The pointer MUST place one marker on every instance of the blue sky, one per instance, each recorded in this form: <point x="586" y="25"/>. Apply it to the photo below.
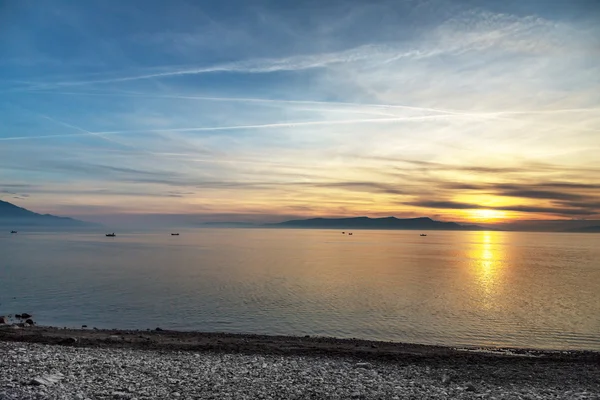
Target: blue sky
<point x="264" y="110"/>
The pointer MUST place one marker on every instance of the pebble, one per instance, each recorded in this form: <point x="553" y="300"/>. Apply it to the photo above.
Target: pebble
<point x="47" y="379"/>
<point x="121" y="373"/>
<point x="446" y="379"/>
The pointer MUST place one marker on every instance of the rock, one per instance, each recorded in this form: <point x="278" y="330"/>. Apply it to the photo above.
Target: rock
<point x="158" y="329"/>
<point x="25" y="315"/>
<point x="469" y="387"/>
<point x="84" y="326"/>
<point x="446" y="379"/>
<point x="364" y="365"/>
<point x="47" y="379"/>
<point x="122" y="395"/>
<point x="3" y="320"/>
<point x="69" y="340"/>
<point x="18" y="316"/>
<point x="29" y="321"/>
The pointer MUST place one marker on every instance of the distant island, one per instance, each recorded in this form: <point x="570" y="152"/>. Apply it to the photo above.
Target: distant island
<point x="15" y="217"/>
<point x="586" y="229"/>
<point x="422" y="223"/>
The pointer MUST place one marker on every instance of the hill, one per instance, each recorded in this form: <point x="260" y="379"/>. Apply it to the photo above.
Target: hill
<point x="586" y="229"/>
<point x="422" y="223"/>
<point x="17" y="217"/>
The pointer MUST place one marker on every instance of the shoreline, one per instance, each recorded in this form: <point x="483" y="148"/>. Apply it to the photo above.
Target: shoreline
<point x="126" y="364"/>
<point x="172" y="340"/>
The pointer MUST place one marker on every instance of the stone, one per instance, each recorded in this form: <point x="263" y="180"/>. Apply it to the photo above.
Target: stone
<point x="26" y="315"/>
<point x="3" y="320"/>
<point x="469" y="387"/>
<point x="47" y="379"/>
<point x="122" y="395"/>
<point x="158" y="329"/>
<point x="69" y="340"/>
<point x="446" y="379"/>
<point x="29" y="321"/>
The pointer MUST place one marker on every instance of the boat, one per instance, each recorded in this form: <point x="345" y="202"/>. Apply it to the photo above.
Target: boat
<point x="174" y="234"/>
<point x="422" y="234"/>
<point x="13" y="231"/>
<point x="111" y="234"/>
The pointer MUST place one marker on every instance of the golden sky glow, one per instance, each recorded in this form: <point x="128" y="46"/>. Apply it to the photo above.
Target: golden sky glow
<point x="470" y="114"/>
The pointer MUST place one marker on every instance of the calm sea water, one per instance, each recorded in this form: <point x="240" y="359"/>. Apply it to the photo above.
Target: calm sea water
<point x="453" y="288"/>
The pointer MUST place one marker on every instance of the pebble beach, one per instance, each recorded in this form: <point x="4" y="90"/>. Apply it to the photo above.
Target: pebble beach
<point x="51" y="363"/>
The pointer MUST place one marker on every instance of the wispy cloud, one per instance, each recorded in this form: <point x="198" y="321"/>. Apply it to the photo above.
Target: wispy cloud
<point x="443" y="109"/>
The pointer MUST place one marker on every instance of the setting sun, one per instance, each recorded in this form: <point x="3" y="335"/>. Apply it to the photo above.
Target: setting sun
<point x="487" y="215"/>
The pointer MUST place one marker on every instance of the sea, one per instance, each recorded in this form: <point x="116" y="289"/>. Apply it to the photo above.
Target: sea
<point x="454" y="288"/>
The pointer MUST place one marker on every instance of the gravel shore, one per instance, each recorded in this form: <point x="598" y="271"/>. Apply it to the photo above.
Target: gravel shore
<point x="111" y="369"/>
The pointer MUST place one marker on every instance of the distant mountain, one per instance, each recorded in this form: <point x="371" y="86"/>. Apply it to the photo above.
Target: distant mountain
<point x="572" y="225"/>
<point x="423" y="223"/>
<point x="16" y="217"/>
<point x="224" y="224"/>
<point x="587" y="229"/>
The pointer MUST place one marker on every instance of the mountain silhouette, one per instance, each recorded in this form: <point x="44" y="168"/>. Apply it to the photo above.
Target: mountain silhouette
<point x="586" y="229"/>
<point x="16" y="217"/>
<point x="422" y="223"/>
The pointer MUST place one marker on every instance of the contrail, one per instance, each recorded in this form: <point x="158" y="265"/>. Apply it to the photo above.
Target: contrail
<point x="226" y="128"/>
<point x="326" y="103"/>
<point x="271" y="101"/>
<point x="256" y="66"/>
<point x="85" y="132"/>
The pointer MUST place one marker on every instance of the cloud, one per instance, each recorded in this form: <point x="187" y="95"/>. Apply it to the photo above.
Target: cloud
<point x="523" y="209"/>
<point x="368" y="187"/>
<point x="258" y="66"/>
<point x="442" y="104"/>
<point x="283" y="125"/>
<point x="540" y="194"/>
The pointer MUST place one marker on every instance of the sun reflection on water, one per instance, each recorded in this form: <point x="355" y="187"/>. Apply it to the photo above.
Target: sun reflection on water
<point x="487" y="263"/>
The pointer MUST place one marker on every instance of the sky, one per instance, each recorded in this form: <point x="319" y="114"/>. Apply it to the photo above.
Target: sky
<point x="479" y="111"/>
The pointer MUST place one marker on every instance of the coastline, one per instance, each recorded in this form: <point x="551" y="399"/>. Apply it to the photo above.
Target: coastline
<point x="172" y="340"/>
<point x="358" y="366"/>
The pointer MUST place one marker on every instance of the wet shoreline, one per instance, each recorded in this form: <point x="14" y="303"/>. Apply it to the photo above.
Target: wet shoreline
<point x="160" y="339"/>
<point x="406" y="369"/>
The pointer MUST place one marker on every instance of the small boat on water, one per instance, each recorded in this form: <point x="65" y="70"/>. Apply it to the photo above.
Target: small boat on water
<point x="111" y="234"/>
<point x="13" y="231"/>
<point x="174" y="234"/>
<point x="422" y="234"/>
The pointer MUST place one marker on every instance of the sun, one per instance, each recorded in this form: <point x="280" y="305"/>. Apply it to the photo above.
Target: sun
<point x="487" y="215"/>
